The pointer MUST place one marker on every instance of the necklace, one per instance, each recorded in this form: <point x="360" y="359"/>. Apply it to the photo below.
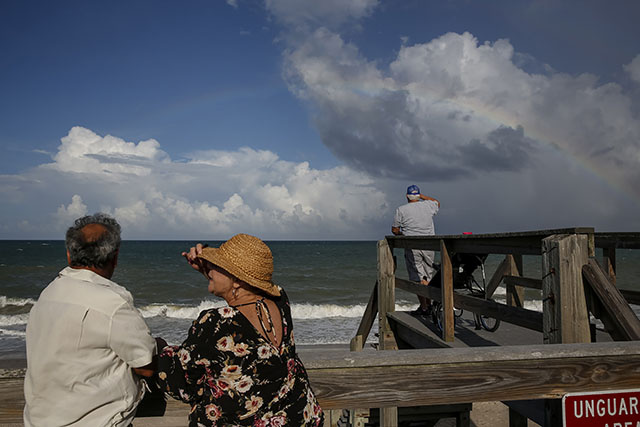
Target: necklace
<point x="261" y="307"/>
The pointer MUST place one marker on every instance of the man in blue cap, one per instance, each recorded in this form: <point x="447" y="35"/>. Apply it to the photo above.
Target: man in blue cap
<point x="416" y="219"/>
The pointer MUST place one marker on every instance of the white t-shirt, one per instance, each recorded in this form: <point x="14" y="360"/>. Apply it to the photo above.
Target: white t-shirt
<point x="83" y="337"/>
<point x="416" y="219"/>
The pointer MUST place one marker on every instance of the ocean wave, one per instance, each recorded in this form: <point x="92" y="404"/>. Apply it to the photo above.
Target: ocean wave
<point x="321" y="311"/>
<point x="15" y="319"/>
<point x="298" y="311"/>
<point x="178" y="311"/>
<point x="12" y="333"/>
<point x="5" y="301"/>
<point x="15" y="311"/>
<point x="15" y="307"/>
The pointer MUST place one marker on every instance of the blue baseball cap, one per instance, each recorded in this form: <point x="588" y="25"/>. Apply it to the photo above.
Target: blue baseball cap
<point x="413" y="189"/>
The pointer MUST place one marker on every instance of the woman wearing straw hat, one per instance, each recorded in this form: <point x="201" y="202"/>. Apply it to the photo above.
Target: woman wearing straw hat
<point x="238" y="365"/>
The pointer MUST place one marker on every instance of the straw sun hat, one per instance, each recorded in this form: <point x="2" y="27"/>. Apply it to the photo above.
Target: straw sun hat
<point x="247" y="258"/>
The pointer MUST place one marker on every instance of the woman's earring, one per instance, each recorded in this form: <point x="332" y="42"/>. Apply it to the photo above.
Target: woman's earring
<point x="233" y="292"/>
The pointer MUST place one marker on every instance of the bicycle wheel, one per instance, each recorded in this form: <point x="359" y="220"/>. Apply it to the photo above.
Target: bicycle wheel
<point x="437" y="315"/>
<point x="489" y="323"/>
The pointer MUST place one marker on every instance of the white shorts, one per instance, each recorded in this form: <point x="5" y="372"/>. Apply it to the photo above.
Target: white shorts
<point x="419" y="264"/>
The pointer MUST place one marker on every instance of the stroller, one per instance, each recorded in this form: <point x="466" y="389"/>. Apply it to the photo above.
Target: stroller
<point x="463" y="266"/>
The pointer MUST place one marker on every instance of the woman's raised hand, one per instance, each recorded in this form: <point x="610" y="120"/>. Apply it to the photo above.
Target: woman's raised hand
<point x="192" y="257"/>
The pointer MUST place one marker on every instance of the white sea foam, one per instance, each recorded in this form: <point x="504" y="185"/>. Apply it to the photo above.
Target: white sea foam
<point x="535" y="305"/>
<point x="14" y="319"/>
<point x="12" y="333"/>
<point x="5" y="301"/>
<point x="298" y="311"/>
<point x="178" y="311"/>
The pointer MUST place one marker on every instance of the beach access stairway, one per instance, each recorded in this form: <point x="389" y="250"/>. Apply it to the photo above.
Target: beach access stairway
<point x="574" y="289"/>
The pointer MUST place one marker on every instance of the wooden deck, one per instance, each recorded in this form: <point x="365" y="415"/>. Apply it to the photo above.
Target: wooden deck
<point x="420" y="332"/>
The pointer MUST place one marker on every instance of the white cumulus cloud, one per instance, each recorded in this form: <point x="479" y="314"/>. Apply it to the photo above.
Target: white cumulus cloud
<point x="82" y="150"/>
<point x="214" y="193"/>
<point x="75" y="209"/>
<point x="455" y="107"/>
<point x="633" y="68"/>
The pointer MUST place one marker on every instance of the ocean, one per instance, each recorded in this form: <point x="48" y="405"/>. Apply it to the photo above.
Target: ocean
<point x="328" y="283"/>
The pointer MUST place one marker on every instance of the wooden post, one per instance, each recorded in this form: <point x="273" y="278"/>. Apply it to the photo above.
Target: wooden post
<point x="358" y="342"/>
<point x="386" y="296"/>
<point x="446" y="275"/>
<point x="386" y="304"/>
<point x="565" y="315"/>
<point x="515" y="294"/>
<point x="389" y="417"/>
<point x="504" y="269"/>
<point x="609" y="262"/>
<point x="613" y="309"/>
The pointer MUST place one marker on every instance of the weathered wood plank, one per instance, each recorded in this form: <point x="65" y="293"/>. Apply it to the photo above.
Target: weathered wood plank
<point x="515" y="294"/>
<point x="415" y="333"/>
<point x="386" y="304"/>
<point x="609" y="262"/>
<point x="526" y="318"/>
<point x="431" y="292"/>
<point x="565" y="315"/>
<point x="620" y="320"/>
<point x="473" y="375"/>
<point x="381" y="378"/>
<point x="525" y="282"/>
<point x="623" y="240"/>
<point x="519" y="316"/>
<point x="366" y="323"/>
<point x="503" y="269"/>
<point x="389" y="416"/>
<point x="386" y="295"/>
<point x="11" y="399"/>
<point x="524" y="243"/>
<point x="446" y="288"/>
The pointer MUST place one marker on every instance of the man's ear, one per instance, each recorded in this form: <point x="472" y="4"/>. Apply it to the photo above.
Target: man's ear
<point x="115" y="259"/>
<point x="68" y="258"/>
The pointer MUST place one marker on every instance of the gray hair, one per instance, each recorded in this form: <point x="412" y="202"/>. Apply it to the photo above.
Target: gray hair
<point x="413" y="196"/>
<point x="98" y="252"/>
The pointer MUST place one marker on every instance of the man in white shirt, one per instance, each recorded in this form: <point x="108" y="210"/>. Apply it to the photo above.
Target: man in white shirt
<point x="416" y="219"/>
<point x="87" y="344"/>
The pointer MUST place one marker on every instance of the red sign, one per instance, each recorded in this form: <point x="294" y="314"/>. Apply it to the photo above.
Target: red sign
<point x="616" y="408"/>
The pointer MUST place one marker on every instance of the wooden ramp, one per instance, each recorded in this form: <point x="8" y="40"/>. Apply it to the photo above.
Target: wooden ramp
<point x="420" y="332"/>
<point x="609" y="305"/>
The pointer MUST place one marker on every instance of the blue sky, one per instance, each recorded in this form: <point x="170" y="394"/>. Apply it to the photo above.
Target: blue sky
<point x="298" y="119"/>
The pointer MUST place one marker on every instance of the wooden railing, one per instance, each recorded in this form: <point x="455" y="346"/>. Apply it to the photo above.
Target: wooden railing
<point x="564" y="253"/>
<point x="383" y="379"/>
<point x="375" y="379"/>
<point x="572" y="285"/>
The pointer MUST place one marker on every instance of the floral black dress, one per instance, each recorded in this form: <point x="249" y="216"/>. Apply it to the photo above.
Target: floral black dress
<point x="232" y="376"/>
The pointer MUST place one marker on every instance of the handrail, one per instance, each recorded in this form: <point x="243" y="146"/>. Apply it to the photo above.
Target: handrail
<point x="373" y="379"/>
<point x="515" y="243"/>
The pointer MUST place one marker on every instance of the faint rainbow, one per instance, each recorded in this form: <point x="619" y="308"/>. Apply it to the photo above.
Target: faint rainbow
<point x="501" y="117"/>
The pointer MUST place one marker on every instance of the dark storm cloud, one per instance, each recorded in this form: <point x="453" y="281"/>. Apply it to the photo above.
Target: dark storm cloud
<point x="504" y="149"/>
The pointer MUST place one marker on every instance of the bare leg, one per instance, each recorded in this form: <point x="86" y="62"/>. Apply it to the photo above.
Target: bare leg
<point x="424" y="301"/>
